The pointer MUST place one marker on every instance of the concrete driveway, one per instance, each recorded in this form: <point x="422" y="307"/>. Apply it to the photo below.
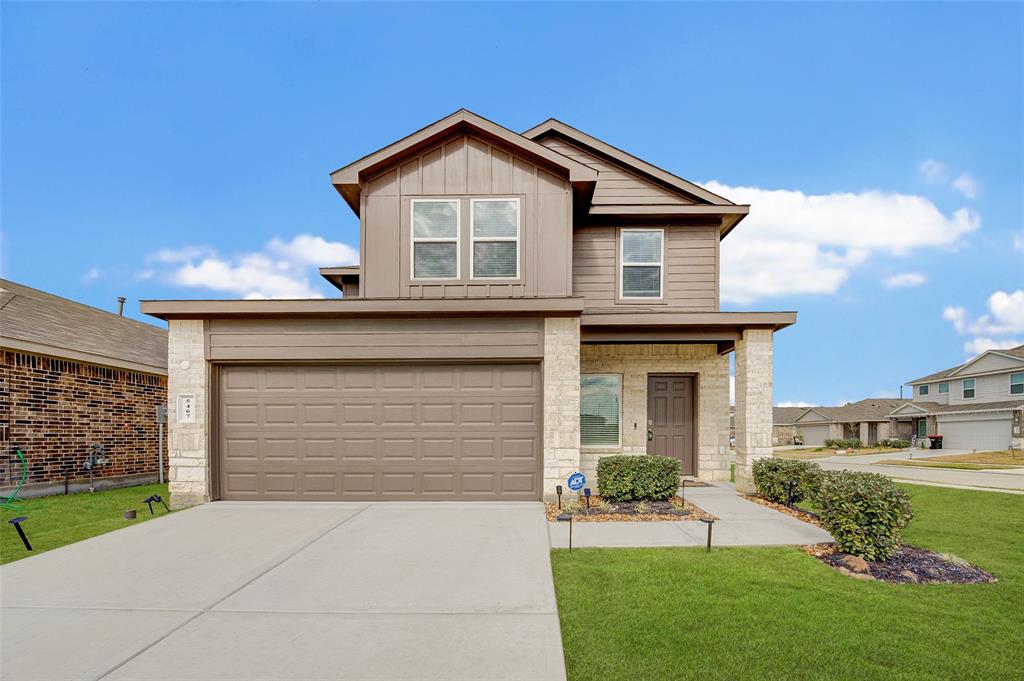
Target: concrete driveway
<point x="255" y="591"/>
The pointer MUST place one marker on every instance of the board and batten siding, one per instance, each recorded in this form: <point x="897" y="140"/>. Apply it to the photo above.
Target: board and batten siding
<point x="466" y="167"/>
<point x="690" y="275"/>
<point x="615" y="184"/>
<point x="356" y="340"/>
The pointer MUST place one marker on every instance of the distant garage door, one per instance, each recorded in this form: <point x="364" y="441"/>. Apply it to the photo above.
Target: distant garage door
<point x="387" y="432"/>
<point x="975" y="431"/>
<point x="814" y="435"/>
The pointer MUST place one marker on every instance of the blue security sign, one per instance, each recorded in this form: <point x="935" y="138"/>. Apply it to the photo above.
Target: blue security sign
<point x="576" y="481"/>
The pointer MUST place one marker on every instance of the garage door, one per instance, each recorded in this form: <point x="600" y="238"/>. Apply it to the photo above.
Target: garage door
<point x="975" y="431"/>
<point x="388" y="432"/>
<point x="814" y="435"/>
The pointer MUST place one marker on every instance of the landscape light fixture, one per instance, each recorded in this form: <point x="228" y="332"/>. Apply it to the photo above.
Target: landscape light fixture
<point x="789" y="497"/>
<point x="558" y="491"/>
<point x="563" y="518"/>
<point x="21" y="533"/>
<point x="156" y="497"/>
<point x="709" y="522"/>
<point x="682" y="492"/>
<point x="586" y="495"/>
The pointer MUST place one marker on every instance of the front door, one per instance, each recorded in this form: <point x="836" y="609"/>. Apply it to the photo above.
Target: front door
<point x="670" y="419"/>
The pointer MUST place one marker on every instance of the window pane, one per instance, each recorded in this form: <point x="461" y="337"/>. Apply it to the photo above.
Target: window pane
<point x="599" y="410"/>
<point x="434" y="219"/>
<point x="641" y="282"/>
<point x="943" y="387"/>
<point x="923" y="390"/>
<point x="1017" y="384"/>
<point x="494" y="258"/>
<point x="641" y="247"/>
<point x="434" y="260"/>
<point x="494" y="218"/>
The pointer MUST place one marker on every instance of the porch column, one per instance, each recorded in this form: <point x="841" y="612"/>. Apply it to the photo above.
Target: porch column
<point x="561" y="401"/>
<point x="187" y="374"/>
<point x="753" y="403"/>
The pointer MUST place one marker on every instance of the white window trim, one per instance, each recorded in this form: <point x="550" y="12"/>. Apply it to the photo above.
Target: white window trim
<point x="413" y="239"/>
<point x="473" y="239"/>
<point x="963" y="389"/>
<point x="623" y="264"/>
<point x="941" y="391"/>
<point x="1009" y="379"/>
<point x="618" y="443"/>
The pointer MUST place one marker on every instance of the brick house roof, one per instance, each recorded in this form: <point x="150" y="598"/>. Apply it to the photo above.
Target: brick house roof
<point x="39" y="322"/>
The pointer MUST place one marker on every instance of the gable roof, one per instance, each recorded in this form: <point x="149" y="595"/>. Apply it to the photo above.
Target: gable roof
<point x="701" y="201"/>
<point x="784" y="416"/>
<point x="869" y="409"/>
<point x="935" y="408"/>
<point x="347" y="178"/>
<point x="40" y="322"/>
<point x="1016" y="353"/>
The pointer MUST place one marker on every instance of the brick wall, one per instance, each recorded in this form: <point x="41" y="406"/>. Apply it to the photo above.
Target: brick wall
<point x="54" y="410"/>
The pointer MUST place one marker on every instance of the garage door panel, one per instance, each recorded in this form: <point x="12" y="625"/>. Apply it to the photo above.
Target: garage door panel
<point x="977" y="431"/>
<point x="380" y="432"/>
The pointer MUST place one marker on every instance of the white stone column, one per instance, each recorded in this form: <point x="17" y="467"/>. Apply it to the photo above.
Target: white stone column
<point x="753" y="403"/>
<point x="561" y="400"/>
<point x="188" y="453"/>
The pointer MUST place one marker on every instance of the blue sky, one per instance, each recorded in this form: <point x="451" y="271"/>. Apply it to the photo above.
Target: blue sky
<point x="180" y="150"/>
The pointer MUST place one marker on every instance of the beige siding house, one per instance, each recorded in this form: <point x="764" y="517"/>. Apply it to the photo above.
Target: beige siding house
<point x="524" y="305"/>
<point x="866" y="420"/>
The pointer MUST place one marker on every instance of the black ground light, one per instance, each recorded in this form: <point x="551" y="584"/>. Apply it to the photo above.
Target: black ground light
<point x="558" y="491"/>
<point x="21" y="533"/>
<point x="586" y="495"/>
<point x="709" y="523"/>
<point x="562" y="518"/>
<point x="157" y="499"/>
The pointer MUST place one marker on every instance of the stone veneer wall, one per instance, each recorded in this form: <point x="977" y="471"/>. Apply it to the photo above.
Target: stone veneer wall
<point x="753" y="403"/>
<point x="188" y="373"/>
<point x="634" y="363"/>
<point x="561" y="400"/>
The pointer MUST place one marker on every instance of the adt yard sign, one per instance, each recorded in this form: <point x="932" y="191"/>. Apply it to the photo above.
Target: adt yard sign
<point x="576" y="481"/>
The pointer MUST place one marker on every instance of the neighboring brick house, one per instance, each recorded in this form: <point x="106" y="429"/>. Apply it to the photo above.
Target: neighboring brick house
<point x="73" y="376"/>
<point x="524" y="304"/>
<point x="867" y="420"/>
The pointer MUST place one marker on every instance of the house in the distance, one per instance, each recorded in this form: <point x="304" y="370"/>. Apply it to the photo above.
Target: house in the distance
<point x="73" y="376"/>
<point x="977" y="405"/>
<point x="866" y="420"/>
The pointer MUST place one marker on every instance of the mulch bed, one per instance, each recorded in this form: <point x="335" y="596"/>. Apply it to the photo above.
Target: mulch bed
<point x="911" y="565"/>
<point x="798" y="513"/>
<point x="628" y="511"/>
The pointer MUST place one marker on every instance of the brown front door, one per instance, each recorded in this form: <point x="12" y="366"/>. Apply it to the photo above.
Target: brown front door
<point x="670" y="419"/>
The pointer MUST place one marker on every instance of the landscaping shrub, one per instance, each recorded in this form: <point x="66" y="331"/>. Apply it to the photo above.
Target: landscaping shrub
<point x="898" y="444"/>
<point x="774" y="477"/>
<point x="852" y="443"/>
<point x="637" y="478"/>
<point x="864" y="512"/>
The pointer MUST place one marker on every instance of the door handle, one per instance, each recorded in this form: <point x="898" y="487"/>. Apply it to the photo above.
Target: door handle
<point x="650" y="434"/>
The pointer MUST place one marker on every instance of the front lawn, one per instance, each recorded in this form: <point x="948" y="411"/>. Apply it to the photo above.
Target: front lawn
<point x="822" y="452"/>
<point x="776" y="613"/>
<point x="59" y="520"/>
<point x="935" y="463"/>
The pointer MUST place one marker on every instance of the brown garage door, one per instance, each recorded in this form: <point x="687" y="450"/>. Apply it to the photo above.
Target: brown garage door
<point x="387" y="432"/>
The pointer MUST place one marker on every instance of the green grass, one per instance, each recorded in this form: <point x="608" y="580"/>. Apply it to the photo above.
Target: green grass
<point x="59" y="520"/>
<point x="958" y="465"/>
<point x="776" y="613"/>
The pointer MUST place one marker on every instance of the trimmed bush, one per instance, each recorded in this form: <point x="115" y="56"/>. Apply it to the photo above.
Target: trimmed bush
<point x="637" y="478"/>
<point x="852" y="443"/>
<point x="864" y="512"/>
<point x="773" y="479"/>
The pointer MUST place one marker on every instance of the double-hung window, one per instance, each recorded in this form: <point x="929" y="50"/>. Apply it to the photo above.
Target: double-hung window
<point x="968" y="388"/>
<point x="435" y="239"/>
<point x="495" y="237"/>
<point x="1017" y="384"/>
<point x="600" y="409"/>
<point x="923" y="390"/>
<point x="642" y="262"/>
<point x="943" y="388"/>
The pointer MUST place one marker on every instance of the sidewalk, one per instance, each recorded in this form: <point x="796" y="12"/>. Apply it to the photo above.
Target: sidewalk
<point x="741" y="523"/>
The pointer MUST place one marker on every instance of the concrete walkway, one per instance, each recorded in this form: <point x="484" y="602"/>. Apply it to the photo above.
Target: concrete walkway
<point x="741" y="523"/>
<point x="279" y="591"/>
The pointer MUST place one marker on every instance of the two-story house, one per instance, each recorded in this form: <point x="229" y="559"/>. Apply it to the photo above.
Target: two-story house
<point x="976" y="405"/>
<point x="524" y="304"/>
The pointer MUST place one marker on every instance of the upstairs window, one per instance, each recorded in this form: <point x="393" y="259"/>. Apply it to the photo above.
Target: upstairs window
<point x="600" y="406"/>
<point x="495" y="238"/>
<point x="641" y="260"/>
<point x="968" y="388"/>
<point x="923" y="390"/>
<point x="1017" y="384"/>
<point x="435" y="239"/>
<point x="943" y="388"/>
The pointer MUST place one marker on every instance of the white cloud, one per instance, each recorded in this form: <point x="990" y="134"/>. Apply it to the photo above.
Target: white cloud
<point x="1018" y="242"/>
<point x="1000" y="327"/>
<point x="796" y="243"/>
<point x="931" y="170"/>
<point x="904" y="279"/>
<point x="281" y="270"/>
<point x="967" y="185"/>
<point x="92" y="275"/>
<point x="794" y="404"/>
